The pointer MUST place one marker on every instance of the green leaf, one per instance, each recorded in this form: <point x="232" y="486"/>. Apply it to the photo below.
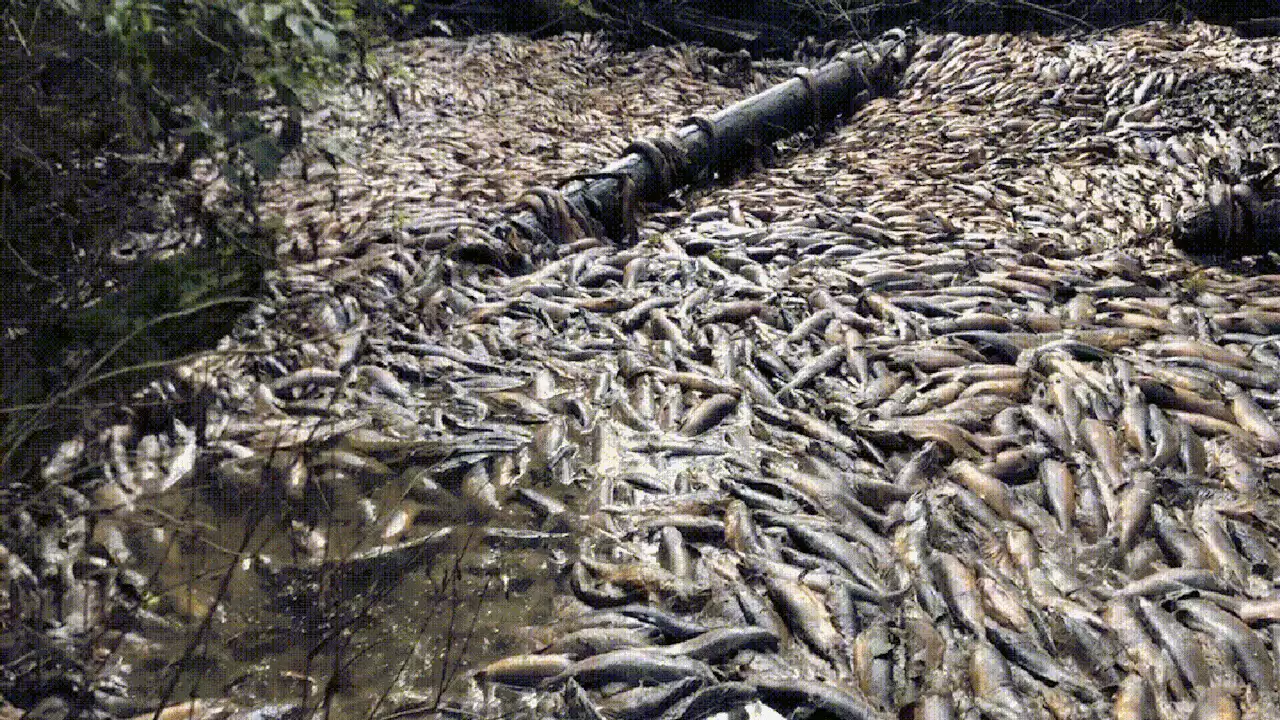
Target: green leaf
<point x="327" y="41"/>
<point x="272" y="12"/>
<point x="244" y="127"/>
<point x="311" y="9"/>
<point x="265" y="153"/>
<point x="262" y="146"/>
<point x="298" y="26"/>
<point x="287" y="94"/>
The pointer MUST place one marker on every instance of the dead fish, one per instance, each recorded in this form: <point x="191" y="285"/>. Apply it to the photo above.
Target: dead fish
<point x="838" y="550"/>
<point x="991" y="680"/>
<point x="873" y="663"/>
<point x="1146" y="657"/>
<point x="1164" y="581"/>
<point x="701" y="383"/>
<point x="720" y="643"/>
<point x="1050" y="426"/>
<point x="644" y="703"/>
<point x="1134" y="700"/>
<point x="1186" y="400"/>
<point x="594" y="641"/>
<point x="816" y="695"/>
<point x="577" y="704"/>
<point x="598" y="595"/>
<point x="1102" y="444"/>
<point x="639" y="314"/>
<point x="1166" y="436"/>
<point x="1068" y="406"/>
<point x="1025" y="653"/>
<point x="993" y="492"/>
<point x="479" y="491"/>
<point x="1250" y="653"/>
<point x="1210" y="527"/>
<point x="708" y="414"/>
<point x="526" y="670"/>
<point x="1134" y="417"/>
<point x="1216" y="704"/>
<point x="883" y="384"/>
<point x="960" y="588"/>
<point x="812" y="324"/>
<point x="805" y="614"/>
<point x="1060" y="489"/>
<point x="672" y="446"/>
<point x="633" y="666"/>
<point x="671" y="626"/>
<point x="1253" y="420"/>
<point x="1134" y="510"/>
<point x="734" y="312"/>
<point x="1002" y="605"/>
<point x="821" y="365"/>
<point x="723" y="697"/>
<point x="741" y="534"/>
<point x="1238" y="470"/>
<point x="1252" y="610"/>
<point x="319" y="377"/>
<point x="1017" y="465"/>
<point x="1187" y="347"/>
<point x="673" y="555"/>
<point x="640" y="580"/>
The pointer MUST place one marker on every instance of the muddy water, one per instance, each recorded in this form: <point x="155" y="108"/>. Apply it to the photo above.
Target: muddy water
<point x="293" y="623"/>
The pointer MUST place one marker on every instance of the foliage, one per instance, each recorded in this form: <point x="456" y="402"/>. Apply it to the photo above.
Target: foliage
<point x="106" y="99"/>
<point x="109" y="107"/>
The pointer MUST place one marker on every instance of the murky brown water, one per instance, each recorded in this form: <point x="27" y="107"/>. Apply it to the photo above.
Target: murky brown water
<point x="293" y="628"/>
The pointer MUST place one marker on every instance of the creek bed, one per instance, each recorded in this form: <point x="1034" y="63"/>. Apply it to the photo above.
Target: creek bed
<point x="934" y="403"/>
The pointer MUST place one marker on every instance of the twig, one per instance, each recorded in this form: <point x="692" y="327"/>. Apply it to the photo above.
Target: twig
<point x="471" y="630"/>
<point x="88" y="379"/>
<point x="446" y="678"/>
<point x="1054" y="13"/>
<point x="21" y="40"/>
<point x="207" y="621"/>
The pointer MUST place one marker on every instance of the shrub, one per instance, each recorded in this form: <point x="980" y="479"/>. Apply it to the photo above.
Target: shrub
<point x="109" y="104"/>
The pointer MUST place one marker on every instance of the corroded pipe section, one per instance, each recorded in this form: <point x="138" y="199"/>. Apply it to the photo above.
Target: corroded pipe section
<point x="603" y="202"/>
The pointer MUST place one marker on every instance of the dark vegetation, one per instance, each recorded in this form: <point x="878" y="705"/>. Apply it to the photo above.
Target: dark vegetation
<point x="119" y="118"/>
<point x="775" y="27"/>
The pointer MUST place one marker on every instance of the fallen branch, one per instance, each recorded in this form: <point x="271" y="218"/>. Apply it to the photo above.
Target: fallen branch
<point x="1259" y="27"/>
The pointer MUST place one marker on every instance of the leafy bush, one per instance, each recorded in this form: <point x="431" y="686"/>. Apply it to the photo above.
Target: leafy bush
<point x="96" y="80"/>
<point x="109" y="104"/>
<point x="118" y="76"/>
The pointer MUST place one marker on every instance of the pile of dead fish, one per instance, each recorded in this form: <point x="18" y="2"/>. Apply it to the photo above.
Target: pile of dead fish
<point x="927" y="422"/>
<point x="919" y="445"/>
<point x="337" y="401"/>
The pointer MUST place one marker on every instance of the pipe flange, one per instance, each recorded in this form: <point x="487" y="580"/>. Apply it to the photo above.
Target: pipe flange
<point x="657" y="160"/>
